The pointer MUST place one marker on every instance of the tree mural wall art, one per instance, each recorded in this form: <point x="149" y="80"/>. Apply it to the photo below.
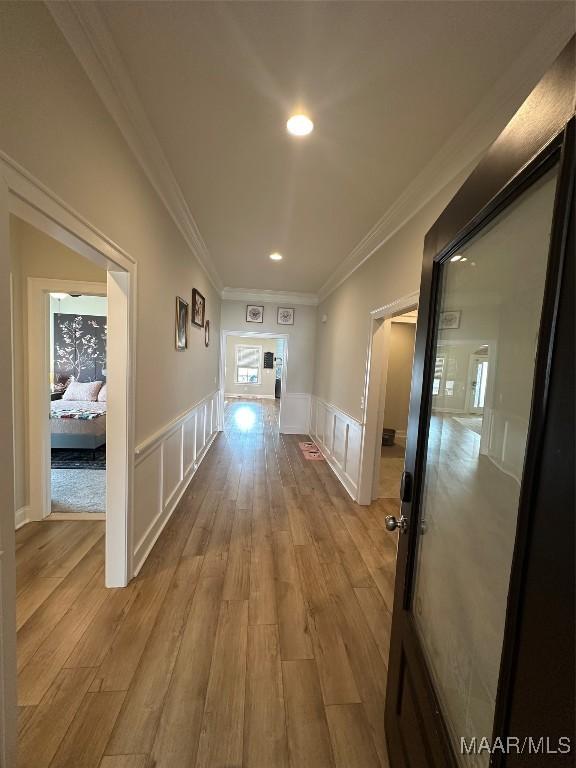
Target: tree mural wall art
<point x="79" y="348"/>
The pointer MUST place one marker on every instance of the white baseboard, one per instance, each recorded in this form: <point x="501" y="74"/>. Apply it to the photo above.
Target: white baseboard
<point x="249" y="397"/>
<point x="22" y="516"/>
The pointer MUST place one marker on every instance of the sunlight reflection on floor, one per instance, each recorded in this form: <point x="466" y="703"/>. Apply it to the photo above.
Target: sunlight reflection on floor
<point x="245" y="418"/>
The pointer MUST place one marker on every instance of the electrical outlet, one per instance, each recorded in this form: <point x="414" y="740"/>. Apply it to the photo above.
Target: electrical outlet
<point x="362" y="402"/>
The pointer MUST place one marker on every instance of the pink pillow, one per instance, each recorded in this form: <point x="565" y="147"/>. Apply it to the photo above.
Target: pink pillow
<point x="102" y="395"/>
<point x="86" y="391"/>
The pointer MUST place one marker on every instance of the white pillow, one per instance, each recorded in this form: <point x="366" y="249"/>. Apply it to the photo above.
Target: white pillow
<point x="102" y="395"/>
<point x="86" y="391"/>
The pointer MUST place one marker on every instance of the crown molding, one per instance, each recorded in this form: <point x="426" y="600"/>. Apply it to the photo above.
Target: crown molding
<point x="271" y="297"/>
<point x="466" y="145"/>
<point x="86" y="32"/>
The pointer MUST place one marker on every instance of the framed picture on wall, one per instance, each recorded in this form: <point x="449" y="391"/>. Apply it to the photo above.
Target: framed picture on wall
<point x="181" y="324"/>
<point x="285" y="316"/>
<point x="449" y="320"/>
<point x="198" y="308"/>
<point x="254" y="313"/>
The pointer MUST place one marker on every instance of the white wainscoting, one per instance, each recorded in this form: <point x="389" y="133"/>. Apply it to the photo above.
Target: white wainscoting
<point x="164" y="465"/>
<point x="295" y="413"/>
<point x="339" y="437"/>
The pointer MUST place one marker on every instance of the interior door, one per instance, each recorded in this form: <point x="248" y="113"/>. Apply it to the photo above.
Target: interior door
<point x="496" y="259"/>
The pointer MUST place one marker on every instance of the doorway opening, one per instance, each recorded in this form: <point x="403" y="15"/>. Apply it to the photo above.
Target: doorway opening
<point x="71" y="342"/>
<point x="394" y="405"/>
<point x="253" y="366"/>
<point x="387" y="399"/>
<point x="78" y="326"/>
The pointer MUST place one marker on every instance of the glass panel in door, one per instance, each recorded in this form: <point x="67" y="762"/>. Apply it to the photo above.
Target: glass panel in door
<point x="489" y="316"/>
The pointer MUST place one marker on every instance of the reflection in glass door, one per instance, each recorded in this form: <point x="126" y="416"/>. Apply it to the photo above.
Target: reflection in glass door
<point x="489" y="316"/>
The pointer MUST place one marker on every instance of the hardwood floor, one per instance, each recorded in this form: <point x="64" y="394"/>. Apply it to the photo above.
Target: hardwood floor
<point x="255" y="635"/>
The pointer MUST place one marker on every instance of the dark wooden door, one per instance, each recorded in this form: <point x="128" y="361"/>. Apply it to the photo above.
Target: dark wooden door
<point x="481" y="668"/>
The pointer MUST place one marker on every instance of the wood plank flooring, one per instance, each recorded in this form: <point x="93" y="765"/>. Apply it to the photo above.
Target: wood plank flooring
<point x="256" y="635"/>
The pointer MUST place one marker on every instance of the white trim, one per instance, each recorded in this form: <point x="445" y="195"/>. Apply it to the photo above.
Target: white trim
<point x="339" y="438"/>
<point x="257" y="295"/>
<point x="24" y="196"/>
<point x="36" y="204"/>
<point x="194" y="431"/>
<point x="233" y="396"/>
<point x="468" y="142"/>
<point x="375" y="391"/>
<point x="89" y="38"/>
<point x="22" y="517"/>
<point x="151" y="442"/>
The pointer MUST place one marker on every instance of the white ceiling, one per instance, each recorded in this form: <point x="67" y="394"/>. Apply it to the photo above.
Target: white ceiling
<point x="386" y="83"/>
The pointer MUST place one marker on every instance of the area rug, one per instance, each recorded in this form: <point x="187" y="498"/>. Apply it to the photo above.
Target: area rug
<point x="78" y="490"/>
<point x="310" y="451"/>
<point x="79" y="458"/>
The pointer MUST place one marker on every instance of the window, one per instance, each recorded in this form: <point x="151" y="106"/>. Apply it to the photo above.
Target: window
<point x="248" y="364"/>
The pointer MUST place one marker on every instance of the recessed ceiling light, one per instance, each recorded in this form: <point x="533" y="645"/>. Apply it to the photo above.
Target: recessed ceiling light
<point x="300" y="125"/>
<point x="276" y="256"/>
<point x="456" y="257"/>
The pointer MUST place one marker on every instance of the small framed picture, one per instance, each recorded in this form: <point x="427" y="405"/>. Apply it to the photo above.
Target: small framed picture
<point x="285" y="316"/>
<point x="254" y="313"/>
<point x="181" y="324"/>
<point x="198" y="308"/>
<point x="449" y="320"/>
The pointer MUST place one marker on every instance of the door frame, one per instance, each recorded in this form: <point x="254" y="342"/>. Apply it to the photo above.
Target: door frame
<point x="539" y="136"/>
<point x="25" y="197"/>
<point x="375" y="390"/>
<point x="251" y="335"/>
<point x="39" y="457"/>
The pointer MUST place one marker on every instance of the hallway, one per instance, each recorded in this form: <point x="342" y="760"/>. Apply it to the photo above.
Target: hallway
<point x="256" y="633"/>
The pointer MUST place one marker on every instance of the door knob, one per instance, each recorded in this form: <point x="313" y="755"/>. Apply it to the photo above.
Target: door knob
<point x="392" y="523"/>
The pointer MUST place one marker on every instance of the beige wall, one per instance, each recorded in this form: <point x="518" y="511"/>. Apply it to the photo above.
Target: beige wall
<point x="267" y="375"/>
<point x="391" y="273"/>
<point x="399" y="376"/>
<point x="301" y="341"/>
<point x="53" y="124"/>
<point x="34" y="254"/>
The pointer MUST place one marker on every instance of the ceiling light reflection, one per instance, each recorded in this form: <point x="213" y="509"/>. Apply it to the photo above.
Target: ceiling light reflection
<point x="245" y="418"/>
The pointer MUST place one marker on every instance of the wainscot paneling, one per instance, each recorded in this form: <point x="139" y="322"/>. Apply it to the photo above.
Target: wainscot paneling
<point x="164" y="465"/>
<point x="339" y="437"/>
<point x="295" y="413"/>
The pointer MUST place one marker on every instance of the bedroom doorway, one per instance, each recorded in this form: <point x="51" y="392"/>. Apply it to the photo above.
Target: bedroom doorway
<point x="72" y="386"/>
<point x="77" y="327"/>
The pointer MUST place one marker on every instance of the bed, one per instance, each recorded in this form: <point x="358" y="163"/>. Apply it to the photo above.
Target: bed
<point x="77" y="424"/>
